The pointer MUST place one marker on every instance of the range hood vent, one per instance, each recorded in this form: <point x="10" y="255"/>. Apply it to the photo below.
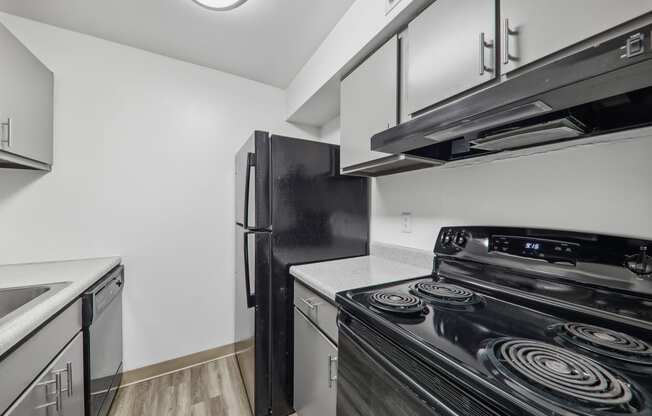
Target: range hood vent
<point x="592" y="92"/>
<point x="519" y="137"/>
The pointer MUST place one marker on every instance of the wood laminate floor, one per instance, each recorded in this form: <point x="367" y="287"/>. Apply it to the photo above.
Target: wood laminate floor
<point x="211" y="389"/>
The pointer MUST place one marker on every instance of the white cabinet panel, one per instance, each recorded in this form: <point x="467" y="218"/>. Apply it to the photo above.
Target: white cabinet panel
<point x="315" y="370"/>
<point x="26" y="100"/>
<point x="540" y="28"/>
<point x="317" y="309"/>
<point x="450" y="49"/>
<point x="369" y="104"/>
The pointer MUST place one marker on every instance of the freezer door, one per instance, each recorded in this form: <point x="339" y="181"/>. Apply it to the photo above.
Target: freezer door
<point x="252" y="275"/>
<point x="252" y="183"/>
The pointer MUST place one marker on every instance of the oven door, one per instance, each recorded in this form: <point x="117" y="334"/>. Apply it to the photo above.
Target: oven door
<point x="370" y="385"/>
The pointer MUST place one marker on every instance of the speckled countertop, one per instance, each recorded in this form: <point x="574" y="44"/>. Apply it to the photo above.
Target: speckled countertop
<point x="329" y="277"/>
<point x="80" y="274"/>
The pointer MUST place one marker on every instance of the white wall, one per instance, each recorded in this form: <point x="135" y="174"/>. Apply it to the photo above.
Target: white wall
<point x="143" y="168"/>
<point x="602" y="188"/>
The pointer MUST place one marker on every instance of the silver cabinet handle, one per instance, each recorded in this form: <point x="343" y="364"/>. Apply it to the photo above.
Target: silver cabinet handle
<point x="6" y="138"/>
<point x="506" y="34"/>
<point x="332" y="376"/>
<point x="310" y="303"/>
<point x="58" y="401"/>
<point x="69" y="378"/>
<point x="484" y="44"/>
<point x="59" y="387"/>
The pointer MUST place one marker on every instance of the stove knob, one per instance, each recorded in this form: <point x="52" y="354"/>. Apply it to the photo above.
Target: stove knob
<point x="460" y="239"/>
<point x="640" y="263"/>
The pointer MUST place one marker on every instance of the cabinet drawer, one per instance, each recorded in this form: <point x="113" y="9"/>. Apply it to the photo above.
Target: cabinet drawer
<point x="30" y="358"/>
<point x="321" y="312"/>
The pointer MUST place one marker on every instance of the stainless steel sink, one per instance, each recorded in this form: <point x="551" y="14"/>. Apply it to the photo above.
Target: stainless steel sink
<point x="16" y="300"/>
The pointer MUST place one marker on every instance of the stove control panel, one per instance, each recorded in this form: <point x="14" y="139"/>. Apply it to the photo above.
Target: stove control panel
<point x="538" y="248"/>
<point x="586" y="257"/>
<point x="455" y="239"/>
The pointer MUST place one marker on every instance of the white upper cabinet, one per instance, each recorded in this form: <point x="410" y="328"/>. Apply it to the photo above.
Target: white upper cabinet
<point x="369" y="104"/>
<point x="26" y="106"/>
<point x="539" y="28"/>
<point x="450" y="49"/>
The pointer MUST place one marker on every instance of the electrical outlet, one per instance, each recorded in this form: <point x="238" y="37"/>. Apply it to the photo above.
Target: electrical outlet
<point x="406" y="222"/>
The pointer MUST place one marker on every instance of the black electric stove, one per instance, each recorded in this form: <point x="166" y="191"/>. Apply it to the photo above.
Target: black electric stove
<point x="511" y="322"/>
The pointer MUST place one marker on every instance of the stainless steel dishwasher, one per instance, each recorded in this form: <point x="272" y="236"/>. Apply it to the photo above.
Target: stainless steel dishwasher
<point x="102" y="326"/>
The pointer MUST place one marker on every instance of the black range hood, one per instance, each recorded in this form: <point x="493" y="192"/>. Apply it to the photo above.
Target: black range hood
<point x="604" y="88"/>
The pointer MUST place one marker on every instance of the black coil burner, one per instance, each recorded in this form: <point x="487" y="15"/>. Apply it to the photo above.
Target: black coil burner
<point x="606" y="342"/>
<point x="397" y="302"/>
<point x="444" y="293"/>
<point x="549" y="369"/>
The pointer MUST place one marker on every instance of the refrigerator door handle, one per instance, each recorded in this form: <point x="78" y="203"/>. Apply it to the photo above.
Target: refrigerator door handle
<point x="251" y="162"/>
<point x="251" y="298"/>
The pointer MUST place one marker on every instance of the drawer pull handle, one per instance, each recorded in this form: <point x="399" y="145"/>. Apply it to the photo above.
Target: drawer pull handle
<point x="332" y="375"/>
<point x="310" y="303"/>
<point x="57" y="403"/>
<point x="69" y="378"/>
<point x="484" y="44"/>
<point x="507" y="33"/>
<point x="6" y="137"/>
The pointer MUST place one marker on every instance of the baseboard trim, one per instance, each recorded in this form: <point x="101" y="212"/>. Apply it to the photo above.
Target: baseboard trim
<point x="149" y="372"/>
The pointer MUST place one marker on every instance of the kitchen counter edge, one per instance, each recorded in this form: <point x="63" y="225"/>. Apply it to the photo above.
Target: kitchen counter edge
<point x="81" y="274"/>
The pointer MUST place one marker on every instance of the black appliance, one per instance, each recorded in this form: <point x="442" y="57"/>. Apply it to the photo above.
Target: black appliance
<point x="513" y="321"/>
<point x="292" y="207"/>
<point x="604" y="87"/>
<point x="102" y="326"/>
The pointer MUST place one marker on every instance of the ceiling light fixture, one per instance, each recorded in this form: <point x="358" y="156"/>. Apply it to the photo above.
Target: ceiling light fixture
<point x="219" y="4"/>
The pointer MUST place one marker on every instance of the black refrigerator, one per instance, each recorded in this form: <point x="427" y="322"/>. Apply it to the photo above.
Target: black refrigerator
<point x="292" y="207"/>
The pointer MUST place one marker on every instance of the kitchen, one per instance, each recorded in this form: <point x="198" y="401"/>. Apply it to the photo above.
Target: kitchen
<point x="145" y="141"/>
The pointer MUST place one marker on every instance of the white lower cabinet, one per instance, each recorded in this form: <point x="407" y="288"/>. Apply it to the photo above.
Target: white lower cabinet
<point x="59" y="389"/>
<point x="315" y="369"/>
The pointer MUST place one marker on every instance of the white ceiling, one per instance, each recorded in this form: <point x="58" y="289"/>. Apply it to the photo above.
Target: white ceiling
<point x="264" y="40"/>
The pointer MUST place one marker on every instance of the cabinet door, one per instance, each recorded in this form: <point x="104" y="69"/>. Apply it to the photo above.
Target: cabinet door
<point x="26" y="100"/>
<point x="369" y="104"/>
<point x="539" y="28"/>
<point x="59" y="390"/>
<point x="315" y="370"/>
<point x="450" y="49"/>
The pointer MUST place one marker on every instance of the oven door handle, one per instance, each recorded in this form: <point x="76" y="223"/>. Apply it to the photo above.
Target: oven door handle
<point x="251" y="297"/>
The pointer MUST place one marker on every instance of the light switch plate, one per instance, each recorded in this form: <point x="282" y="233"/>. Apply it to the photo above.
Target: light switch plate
<point x="406" y="222"/>
<point x="390" y="4"/>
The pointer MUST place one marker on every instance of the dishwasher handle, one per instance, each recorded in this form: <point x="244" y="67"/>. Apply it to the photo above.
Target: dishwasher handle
<point x="101" y="295"/>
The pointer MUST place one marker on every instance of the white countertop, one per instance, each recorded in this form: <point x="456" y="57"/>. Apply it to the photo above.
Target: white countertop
<point x="330" y="277"/>
<point x="81" y="274"/>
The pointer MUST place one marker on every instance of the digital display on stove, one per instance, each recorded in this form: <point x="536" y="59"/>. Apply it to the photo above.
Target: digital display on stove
<point x="532" y="246"/>
<point x="543" y="249"/>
